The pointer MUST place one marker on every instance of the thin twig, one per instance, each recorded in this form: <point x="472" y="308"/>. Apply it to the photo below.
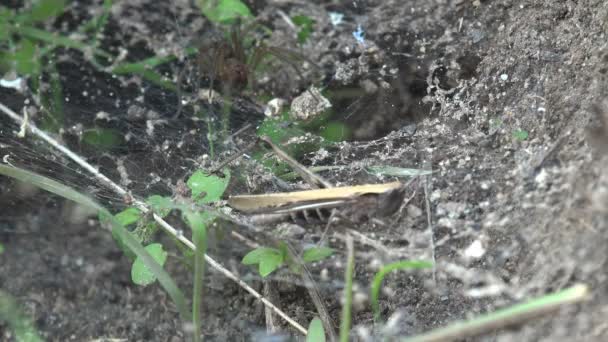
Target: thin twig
<point x="312" y="178"/>
<point x="234" y="157"/>
<point x="429" y="221"/>
<point x="145" y="209"/>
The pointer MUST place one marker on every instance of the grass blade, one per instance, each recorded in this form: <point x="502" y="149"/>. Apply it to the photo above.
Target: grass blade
<point x="117" y="229"/>
<point x="22" y="327"/>
<point x="316" y="333"/>
<point x="399" y="265"/>
<point x="348" y="291"/>
<point x="198" y="224"/>
<point x="519" y="313"/>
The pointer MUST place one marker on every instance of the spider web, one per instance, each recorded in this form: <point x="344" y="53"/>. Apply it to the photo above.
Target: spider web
<point x="127" y="126"/>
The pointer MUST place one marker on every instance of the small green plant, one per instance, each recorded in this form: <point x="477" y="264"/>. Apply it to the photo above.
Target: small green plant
<point x="270" y="259"/>
<point x="204" y="189"/>
<point x="140" y="273"/>
<point x="305" y="24"/>
<point x="520" y="134"/>
<point x="102" y="138"/>
<point x="223" y="11"/>
<point x="21" y="326"/>
<point x="316" y="333"/>
<point x="384" y="271"/>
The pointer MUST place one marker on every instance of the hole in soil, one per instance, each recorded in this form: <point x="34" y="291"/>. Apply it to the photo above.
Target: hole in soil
<point x="468" y="63"/>
<point x="385" y="95"/>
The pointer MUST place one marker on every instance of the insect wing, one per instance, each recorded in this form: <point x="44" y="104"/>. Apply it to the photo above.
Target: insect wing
<point x="310" y="199"/>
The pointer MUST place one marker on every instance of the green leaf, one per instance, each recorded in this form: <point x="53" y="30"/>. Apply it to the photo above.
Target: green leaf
<point x="316" y="254"/>
<point x="25" y="58"/>
<point x="305" y="24"/>
<point x="268" y="259"/>
<point x="316" y="333"/>
<point x="128" y="216"/>
<point x="5" y="26"/>
<point x="43" y="10"/>
<point x="1" y="248"/>
<point x="269" y="264"/>
<point x="198" y="224"/>
<point x="207" y="188"/>
<point x="102" y="138"/>
<point x="399" y="265"/>
<point x="160" y="205"/>
<point x="198" y="220"/>
<point x="13" y="318"/>
<point x="336" y="131"/>
<point x="140" y="273"/>
<point x="52" y="100"/>
<point x="520" y="134"/>
<point x="256" y="255"/>
<point x="223" y="11"/>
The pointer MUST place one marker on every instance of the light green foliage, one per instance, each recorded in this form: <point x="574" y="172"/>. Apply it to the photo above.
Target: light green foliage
<point x="26" y="59"/>
<point x="198" y="223"/>
<point x="223" y="11"/>
<point x="160" y="205"/>
<point x="5" y="15"/>
<point x="43" y="10"/>
<point x="270" y="259"/>
<point x="399" y="265"/>
<point x="128" y="216"/>
<point x="207" y="188"/>
<point x="335" y="131"/>
<point x="520" y="134"/>
<point x="22" y="51"/>
<point x="267" y="259"/>
<point x="304" y="23"/>
<point x="140" y="273"/>
<point x="102" y="138"/>
<point x="52" y="100"/>
<point x="279" y="130"/>
<point x="22" y="327"/>
<point x="1" y="248"/>
<point x="316" y="333"/>
<point x="316" y="254"/>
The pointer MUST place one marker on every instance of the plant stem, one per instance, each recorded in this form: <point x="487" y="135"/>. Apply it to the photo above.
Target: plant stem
<point x="348" y="290"/>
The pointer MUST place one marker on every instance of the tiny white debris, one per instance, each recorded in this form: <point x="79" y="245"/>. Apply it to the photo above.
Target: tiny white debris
<point x="541" y="178"/>
<point x="487" y="291"/>
<point x="336" y="18"/>
<point x="541" y="109"/>
<point x="325" y="274"/>
<point x="16" y="84"/>
<point x="435" y="195"/>
<point x="102" y="116"/>
<point x="208" y="95"/>
<point x="274" y="107"/>
<point x="475" y="250"/>
<point x="504" y="77"/>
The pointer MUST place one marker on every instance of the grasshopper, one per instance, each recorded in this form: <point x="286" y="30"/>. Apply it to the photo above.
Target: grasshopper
<point x="356" y="203"/>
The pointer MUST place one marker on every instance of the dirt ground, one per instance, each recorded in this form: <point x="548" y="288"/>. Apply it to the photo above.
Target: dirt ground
<point x="505" y="101"/>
